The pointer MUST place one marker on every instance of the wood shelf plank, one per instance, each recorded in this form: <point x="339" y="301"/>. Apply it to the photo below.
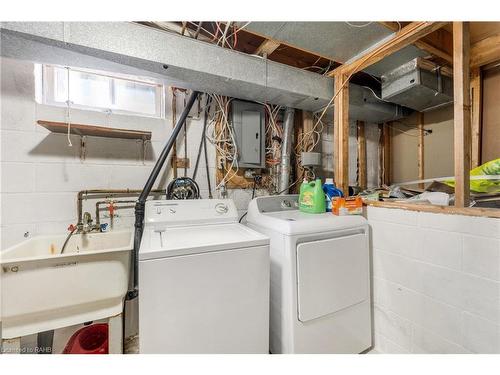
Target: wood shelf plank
<point x="95" y="131"/>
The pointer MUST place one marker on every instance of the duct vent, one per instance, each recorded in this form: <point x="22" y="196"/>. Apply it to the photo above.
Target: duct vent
<point x="418" y="84"/>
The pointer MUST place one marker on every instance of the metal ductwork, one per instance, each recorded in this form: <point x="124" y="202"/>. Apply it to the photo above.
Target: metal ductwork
<point x="183" y="62"/>
<point x="174" y="59"/>
<point x="365" y="105"/>
<point x="286" y="150"/>
<point x="419" y="84"/>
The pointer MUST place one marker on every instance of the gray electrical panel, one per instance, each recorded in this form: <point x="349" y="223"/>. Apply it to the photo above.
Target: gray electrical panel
<point x="248" y="121"/>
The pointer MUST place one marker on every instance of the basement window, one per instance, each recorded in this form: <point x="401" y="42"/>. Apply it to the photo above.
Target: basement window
<point x="99" y="91"/>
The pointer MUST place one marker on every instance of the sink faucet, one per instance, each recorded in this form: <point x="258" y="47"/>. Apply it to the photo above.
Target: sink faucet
<point x="86" y="223"/>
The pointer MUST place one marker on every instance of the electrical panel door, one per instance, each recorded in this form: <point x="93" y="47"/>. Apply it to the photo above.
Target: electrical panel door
<point x="249" y="127"/>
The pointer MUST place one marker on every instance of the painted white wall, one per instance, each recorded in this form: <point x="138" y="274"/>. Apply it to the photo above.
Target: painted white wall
<point x="41" y="174"/>
<point x="436" y="282"/>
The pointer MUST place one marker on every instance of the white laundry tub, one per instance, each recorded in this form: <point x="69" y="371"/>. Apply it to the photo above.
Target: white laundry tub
<point x="42" y="289"/>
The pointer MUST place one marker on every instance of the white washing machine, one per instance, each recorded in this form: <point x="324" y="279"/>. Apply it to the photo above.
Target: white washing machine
<point x="320" y="277"/>
<point x="203" y="280"/>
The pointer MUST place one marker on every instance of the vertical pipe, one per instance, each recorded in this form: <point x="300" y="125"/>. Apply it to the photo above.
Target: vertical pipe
<point x="286" y="150"/>
<point x="139" y="206"/>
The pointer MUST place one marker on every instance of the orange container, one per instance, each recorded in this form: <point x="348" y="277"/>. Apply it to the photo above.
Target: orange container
<point x="347" y="206"/>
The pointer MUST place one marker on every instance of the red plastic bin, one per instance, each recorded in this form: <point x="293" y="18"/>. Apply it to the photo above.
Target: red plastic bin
<point x="91" y="339"/>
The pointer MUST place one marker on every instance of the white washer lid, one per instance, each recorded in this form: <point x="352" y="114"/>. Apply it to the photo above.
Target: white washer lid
<point x="163" y="242"/>
<point x="293" y="222"/>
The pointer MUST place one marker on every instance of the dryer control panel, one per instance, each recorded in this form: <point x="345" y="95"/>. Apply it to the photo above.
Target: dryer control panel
<point x="275" y="203"/>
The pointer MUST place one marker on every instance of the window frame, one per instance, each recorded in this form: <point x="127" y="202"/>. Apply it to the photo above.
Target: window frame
<point x="47" y="93"/>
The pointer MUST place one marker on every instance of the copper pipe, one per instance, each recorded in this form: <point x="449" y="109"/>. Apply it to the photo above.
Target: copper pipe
<point x="97" y="217"/>
<point x="83" y="194"/>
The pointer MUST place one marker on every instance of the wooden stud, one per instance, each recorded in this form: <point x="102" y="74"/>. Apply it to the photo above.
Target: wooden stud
<point x="461" y="91"/>
<point x="362" y="173"/>
<point x="386" y="154"/>
<point x="421" y="160"/>
<point x="381" y="154"/>
<point x="341" y="134"/>
<point x="476" y="115"/>
<point x="406" y="36"/>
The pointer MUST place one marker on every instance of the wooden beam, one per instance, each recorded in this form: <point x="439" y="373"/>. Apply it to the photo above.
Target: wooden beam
<point x="267" y="47"/>
<point x="485" y="51"/>
<point x="341" y="134"/>
<point x="438" y="43"/>
<point x="386" y="154"/>
<point x="406" y="36"/>
<point x="362" y="173"/>
<point x="421" y="161"/>
<point x="447" y="210"/>
<point x="461" y="119"/>
<point x="476" y="115"/>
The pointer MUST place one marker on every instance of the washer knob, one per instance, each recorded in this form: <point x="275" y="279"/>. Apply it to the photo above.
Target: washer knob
<point x="221" y="208"/>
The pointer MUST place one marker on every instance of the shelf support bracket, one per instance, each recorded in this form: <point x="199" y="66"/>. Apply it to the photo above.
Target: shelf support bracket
<point x="83" y="148"/>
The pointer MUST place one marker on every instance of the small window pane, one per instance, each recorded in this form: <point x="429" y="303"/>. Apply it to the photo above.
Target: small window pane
<point x="101" y="91"/>
<point x="89" y="89"/>
<point x="134" y="97"/>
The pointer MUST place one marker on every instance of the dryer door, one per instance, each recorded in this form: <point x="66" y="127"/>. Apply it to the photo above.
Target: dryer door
<point x="332" y="274"/>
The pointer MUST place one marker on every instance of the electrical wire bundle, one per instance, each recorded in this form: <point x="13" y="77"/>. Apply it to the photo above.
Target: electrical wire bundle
<point x="221" y="134"/>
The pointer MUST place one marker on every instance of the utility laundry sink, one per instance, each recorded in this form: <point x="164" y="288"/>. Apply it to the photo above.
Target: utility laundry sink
<point x="42" y="289"/>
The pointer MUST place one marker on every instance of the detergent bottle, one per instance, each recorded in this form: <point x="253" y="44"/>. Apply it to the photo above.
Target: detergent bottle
<point x="312" y="197"/>
<point x="330" y="192"/>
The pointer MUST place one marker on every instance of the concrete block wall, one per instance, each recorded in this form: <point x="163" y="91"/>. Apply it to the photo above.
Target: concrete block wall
<point x="41" y="174"/>
<point x="436" y="282"/>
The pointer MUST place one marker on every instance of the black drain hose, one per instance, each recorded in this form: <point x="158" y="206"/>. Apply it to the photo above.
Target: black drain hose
<point x="139" y="206"/>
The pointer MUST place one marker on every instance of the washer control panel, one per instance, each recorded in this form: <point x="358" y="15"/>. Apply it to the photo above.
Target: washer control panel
<point x="177" y="212"/>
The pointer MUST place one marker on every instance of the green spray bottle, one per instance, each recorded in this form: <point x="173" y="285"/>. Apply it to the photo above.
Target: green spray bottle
<point x="312" y="197"/>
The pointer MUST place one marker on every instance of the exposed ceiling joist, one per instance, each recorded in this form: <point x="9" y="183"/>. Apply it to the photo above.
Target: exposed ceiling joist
<point x="404" y="37"/>
<point x="485" y="51"/>
<point x="438" y="43"/>
<point x="267" y="47"/>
